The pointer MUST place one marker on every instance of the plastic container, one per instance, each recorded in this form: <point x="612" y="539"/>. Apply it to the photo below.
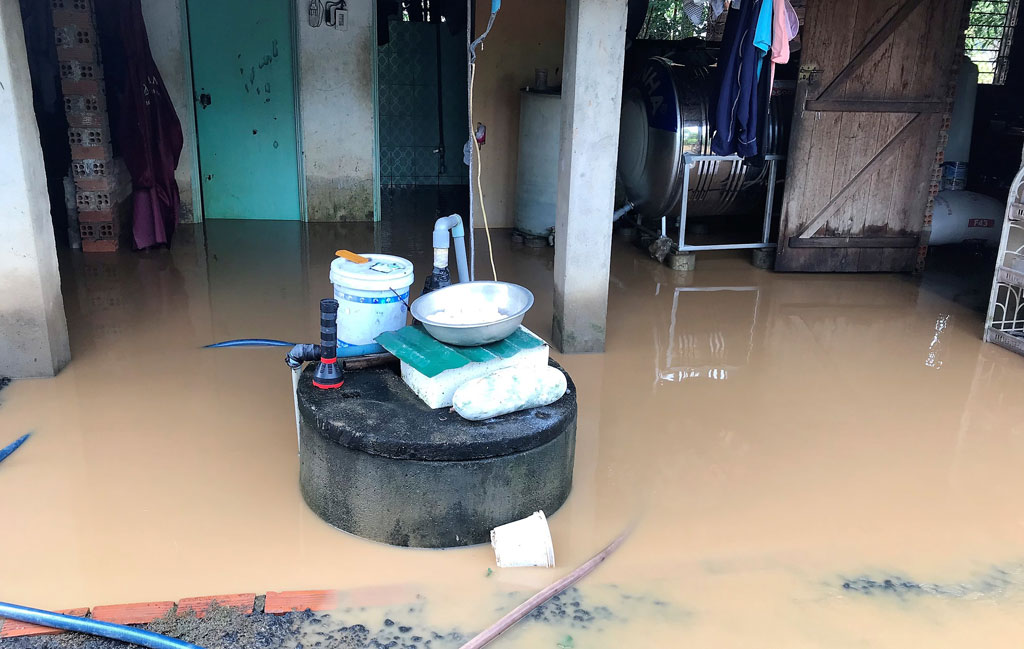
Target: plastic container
<point x="954" y="176"/>
<point x="372" y="298"/>
<point x="524" y="543"/>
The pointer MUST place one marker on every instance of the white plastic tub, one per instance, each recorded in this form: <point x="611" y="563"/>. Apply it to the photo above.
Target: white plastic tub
<point x="372" y="298"/>
<point x="524" y="543"/>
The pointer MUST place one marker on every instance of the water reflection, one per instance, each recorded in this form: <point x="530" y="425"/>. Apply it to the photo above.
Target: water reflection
<point x="697" y="343"/>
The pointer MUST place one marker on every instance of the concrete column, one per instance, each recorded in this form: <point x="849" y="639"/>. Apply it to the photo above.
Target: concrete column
<point x="591" y="95"/>
<point x="33" y="332"/>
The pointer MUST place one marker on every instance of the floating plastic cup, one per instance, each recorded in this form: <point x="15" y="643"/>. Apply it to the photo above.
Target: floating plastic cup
<point x="524" y="543"/>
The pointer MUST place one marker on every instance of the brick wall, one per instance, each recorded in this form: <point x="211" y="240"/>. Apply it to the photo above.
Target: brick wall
<point x="102" y="184"/>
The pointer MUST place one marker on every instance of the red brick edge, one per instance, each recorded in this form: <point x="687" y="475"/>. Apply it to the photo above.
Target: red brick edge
<point x="137" y="613"/>
<point x="276" y="603"/>
<point x="15" y="629"/>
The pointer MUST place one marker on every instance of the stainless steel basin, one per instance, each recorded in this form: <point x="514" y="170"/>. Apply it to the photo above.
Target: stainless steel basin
<point x="511" y="300"/>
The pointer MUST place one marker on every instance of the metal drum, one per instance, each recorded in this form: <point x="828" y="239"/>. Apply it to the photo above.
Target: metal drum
<point x="665" y="114"/>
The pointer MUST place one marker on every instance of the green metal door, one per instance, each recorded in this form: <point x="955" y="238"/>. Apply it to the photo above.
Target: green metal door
<point x="245" y="108"/>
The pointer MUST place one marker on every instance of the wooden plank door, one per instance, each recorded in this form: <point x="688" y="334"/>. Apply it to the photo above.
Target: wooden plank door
<point x="876" y="81"/>
<point x="242" y="79"/>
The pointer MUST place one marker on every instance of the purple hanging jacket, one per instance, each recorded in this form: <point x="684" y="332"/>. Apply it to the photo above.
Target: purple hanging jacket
<point x="147" y="129"/>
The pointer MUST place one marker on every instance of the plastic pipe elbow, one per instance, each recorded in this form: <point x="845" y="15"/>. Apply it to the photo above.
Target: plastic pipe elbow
<point x="451" y="222"/>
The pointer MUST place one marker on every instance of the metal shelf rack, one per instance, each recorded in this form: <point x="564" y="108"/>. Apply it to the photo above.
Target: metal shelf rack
<point x="689" y="160"/>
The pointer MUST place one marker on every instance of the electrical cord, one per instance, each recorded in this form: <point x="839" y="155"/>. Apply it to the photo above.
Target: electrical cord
<point x="479" y="173"/>
<point x="475" y="147"/>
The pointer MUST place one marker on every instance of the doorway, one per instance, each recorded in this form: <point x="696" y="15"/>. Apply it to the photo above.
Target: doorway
<point x="421" y="107"/>
<point x="243" y="86"/>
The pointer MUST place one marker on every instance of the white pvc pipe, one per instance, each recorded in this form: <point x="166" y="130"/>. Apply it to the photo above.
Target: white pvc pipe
<point x="451" y="222"/>
<point x="295" y="400"/>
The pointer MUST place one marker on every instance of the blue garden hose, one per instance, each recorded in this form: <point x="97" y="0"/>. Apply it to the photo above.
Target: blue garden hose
<point x="12" y="447"/>
<point x="92" y="627"/>
<point x="250" y="342"/>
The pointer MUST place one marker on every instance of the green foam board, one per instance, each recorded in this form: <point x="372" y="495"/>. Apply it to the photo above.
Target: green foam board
<point x="430" y="357"/>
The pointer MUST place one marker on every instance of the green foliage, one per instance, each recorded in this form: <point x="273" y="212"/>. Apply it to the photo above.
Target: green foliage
<point x="666" y="20"/>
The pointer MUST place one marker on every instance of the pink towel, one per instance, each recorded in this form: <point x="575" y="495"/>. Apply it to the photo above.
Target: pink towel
<point x="785" y="25"/>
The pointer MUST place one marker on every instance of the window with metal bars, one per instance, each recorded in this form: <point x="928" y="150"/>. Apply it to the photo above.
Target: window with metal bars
<point x="988" y="37"/>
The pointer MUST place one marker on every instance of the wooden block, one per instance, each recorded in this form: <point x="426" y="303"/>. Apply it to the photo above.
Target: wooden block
<point x="16" y="629"/>
<point x="300" y="600"/>
<point x="198" y="606"/>
<point x="140" y="613"/>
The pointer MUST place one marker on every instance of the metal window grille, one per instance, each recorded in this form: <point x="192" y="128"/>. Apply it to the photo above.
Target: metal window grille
<point x="989" y="36"/>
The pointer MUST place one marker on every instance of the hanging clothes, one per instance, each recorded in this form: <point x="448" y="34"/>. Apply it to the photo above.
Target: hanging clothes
<point x="785" y="26"/>
<point x="763" y="30"/>
<point x="146" y="129"/>
<point x="736" y="117"/>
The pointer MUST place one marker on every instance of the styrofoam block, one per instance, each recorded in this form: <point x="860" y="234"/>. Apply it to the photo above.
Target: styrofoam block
<point x="437" y="392"/>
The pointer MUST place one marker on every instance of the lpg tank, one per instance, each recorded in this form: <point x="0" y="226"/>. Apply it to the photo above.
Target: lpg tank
<point x="665" y="114"/>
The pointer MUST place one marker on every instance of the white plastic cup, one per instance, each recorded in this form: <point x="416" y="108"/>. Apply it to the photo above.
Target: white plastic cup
<point x="372" y="298"/>
<point x="524" y="543"/>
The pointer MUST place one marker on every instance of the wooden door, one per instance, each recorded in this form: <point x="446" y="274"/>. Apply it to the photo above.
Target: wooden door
<point x="242" y="79"/>
<point x="875" y="84"/>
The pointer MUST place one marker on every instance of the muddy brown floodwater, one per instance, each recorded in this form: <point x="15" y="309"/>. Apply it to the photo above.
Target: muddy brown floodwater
<point x="811" y="460"/>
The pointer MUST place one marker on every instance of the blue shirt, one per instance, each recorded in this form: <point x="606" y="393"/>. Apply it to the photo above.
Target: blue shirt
<point x="763" y="31"/>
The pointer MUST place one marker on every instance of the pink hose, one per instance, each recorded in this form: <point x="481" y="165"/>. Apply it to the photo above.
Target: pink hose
<point x="487" y="635"/>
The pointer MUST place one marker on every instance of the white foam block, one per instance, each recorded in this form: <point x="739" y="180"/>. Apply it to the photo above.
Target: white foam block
<point x="437" y="391"/>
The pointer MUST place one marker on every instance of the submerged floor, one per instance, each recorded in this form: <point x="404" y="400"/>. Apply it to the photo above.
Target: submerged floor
<point x="784" y="443"/>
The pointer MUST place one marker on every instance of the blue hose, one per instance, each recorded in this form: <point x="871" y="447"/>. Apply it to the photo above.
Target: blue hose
<point x="12" y="447"/>
<point x="92" y="627"/>
<point x="250" y="342"/>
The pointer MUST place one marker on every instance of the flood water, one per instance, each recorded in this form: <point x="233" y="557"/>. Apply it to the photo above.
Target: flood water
<point x="809" y="460"/>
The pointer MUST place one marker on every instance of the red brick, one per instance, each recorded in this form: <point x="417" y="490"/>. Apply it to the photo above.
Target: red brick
<point x="86" y="53"/>
<point x="100" y="216"/>
<point x="87" y="119"/>
<point x="141" y="613"/>
<point x="300" y="600"/>
<point x="71" y="18"/>
<point x="83" y="87"/>
<point x="16" y="629"/>
<point x="91" y="152"/>
<point x="199" y="605"/>
<point x="101" y="245"/>
<point x="95" y="184"/>
<point x="89" y="137"/>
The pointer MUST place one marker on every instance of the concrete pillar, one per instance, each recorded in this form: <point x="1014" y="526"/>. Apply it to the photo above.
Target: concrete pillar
<point x="591" y="95"/>
<point x="33" y="332"/>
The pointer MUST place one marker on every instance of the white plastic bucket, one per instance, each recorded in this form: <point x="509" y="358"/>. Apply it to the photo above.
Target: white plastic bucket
<point x="524" y="543"/>
<point x="372" y="298"/>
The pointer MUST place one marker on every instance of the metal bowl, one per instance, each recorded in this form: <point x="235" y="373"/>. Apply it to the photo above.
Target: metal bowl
<point x="512" y="301"/>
